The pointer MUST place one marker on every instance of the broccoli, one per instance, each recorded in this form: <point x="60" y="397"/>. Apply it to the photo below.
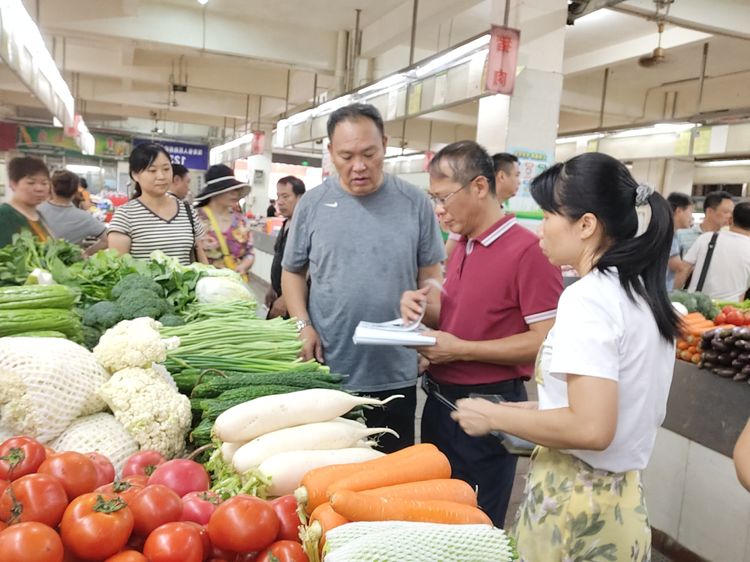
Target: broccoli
<point x="91" y="336"/>
<point x="705" y="305"/>
<point x="102" y="315"/>
<point x="688" y="299"/>
<point x="136" y="281"/>
<point x="171" y="319"/>
<point x="136" y="303"/>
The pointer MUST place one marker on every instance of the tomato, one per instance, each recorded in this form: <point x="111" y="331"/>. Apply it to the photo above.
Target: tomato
<point x="20" y="456"/>
<point x="727" y="309"/>
<point x="136" y="542"/>
<point x="283" y="551"/>
<point x="127" y="556"/>
<point x="205" y="539"/>
<point x="122" y="488"/>
<point x="75" y="471"/>
<point x="154" y="506"/>
<point x="30" y="542"/>
<point x="286" y="510"/>
<point x="720" y="319"/>
<point x="96" y="526"/>
<point x="217" y="553"/>
<point x="143" y="462"/>
<point x="3" y="486"/>
<point x="247" y="557"/>
<point x="174" y="542"/>
<point x="198" y="506"/>
<point x="34" y="497"/>
<point x="136" y="479"/>
<point x="105" y="470"/>
<point x="243" y="524"/>
<point x="182" y="476"/>
<point x="735" y="317"/>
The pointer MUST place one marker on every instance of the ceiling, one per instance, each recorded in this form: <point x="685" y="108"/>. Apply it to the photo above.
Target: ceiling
<point x="247" y="63"/>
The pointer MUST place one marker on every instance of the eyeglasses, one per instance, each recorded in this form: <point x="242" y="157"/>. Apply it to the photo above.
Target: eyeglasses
<point x="442" y="201"/>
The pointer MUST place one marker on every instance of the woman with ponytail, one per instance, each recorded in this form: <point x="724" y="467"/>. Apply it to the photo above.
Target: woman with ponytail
<point x="603" y="372"/>
<point x="154" y="219"/>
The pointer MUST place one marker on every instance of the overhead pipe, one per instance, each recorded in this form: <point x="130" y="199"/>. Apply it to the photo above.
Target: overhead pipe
<point x="579" y="8"/>
<point x="604" y="97"/>
<point x="415" y="10"/>
<point x="341" y="54"/>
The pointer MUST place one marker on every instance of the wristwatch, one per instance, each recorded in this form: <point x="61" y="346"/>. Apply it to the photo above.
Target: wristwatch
<point x="301" y="324"/>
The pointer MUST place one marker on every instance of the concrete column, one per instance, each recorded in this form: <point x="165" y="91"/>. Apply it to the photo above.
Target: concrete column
<point x="526" y="122"/>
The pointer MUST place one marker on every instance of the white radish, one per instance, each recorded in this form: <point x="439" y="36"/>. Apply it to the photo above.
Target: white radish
<point x="229" y="449"/>
<point x="257" y="417"/>
<point x="287" y="469"/>
<point x="311" y="437"/>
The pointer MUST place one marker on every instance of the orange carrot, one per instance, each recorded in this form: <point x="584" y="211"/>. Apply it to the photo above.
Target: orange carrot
<point x="448" y="489"/>
<point x="327" y="518"/>
<point x="356" y="506"/>
<point x="424" y="466"/>
<point x="312" y="493"/>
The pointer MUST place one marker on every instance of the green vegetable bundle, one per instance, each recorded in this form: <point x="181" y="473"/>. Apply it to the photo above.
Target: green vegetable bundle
<point x="26" y="253"/>
<point x="39" y="309"/>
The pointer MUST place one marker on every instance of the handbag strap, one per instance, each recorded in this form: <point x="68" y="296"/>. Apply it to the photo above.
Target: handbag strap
<point x="707" y="261"/>
<point x="189" y="212"/>
<point x="219" y="235"/>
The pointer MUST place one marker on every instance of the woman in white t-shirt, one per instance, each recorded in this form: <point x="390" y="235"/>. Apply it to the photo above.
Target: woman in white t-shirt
<point x="604" y="371"/>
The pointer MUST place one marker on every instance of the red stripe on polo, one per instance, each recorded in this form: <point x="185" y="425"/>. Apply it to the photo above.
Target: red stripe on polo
<point x="495" y="286"/>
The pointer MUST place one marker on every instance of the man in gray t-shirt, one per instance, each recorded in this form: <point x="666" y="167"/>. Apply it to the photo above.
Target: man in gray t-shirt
<point x="364" y="238"/>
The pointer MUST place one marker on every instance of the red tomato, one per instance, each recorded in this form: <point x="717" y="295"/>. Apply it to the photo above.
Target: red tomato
<point x="198" y="506"/>
<point x="154" y="506"/>
<point x="127" y="556"/>
<point x="283" y="551"/>
<point x="105" y="470"/>
<point x="75" y="471"/>
<point x="727" y="309"/>
<point x="3" y="525"/>
<point x="136" y="542"/>
<point x="182" y="476"/>
<point x="122" y="488"/>
<point x="30" y="542"/>
<point x="735" y="317"/>
<point x="247" y="557"/>
<point x="3" y="485"/>
<point x="174" y="542"/>
<point x="96" y="526"/>
<point x="143" y="462"/>
<point x="720" y="319"/>
<point x="20" y="456"/>
<point x="136" y="479"/>
<point x="243" y="524"/>
<point x="286" y="510"/>
<point x="217" y="553"/>
<point x="205" y="539"/>
<point x="34" y="497"/>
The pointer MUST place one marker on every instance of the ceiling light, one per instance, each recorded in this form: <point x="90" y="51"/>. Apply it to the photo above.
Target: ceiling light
<point x="721" y="163"/>
<point x="579" y="138"/>
<point x="449" y="59"/>
<point x="202" y="2"/>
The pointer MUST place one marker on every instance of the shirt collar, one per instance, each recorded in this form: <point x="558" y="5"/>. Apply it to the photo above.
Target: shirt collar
<point x="492" y="233"/>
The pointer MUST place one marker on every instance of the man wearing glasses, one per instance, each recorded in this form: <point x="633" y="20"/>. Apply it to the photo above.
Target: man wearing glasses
<point x="499" y="301"/>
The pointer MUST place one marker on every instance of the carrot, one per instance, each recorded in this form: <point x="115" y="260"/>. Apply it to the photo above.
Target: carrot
<point x="427" y="466"/>
<point x="322" y="520"/>
<point x="312" y="492"/>
<point x="449" y="489"/>
<point x="356" y="506"/>
<point x="692" y="317"/>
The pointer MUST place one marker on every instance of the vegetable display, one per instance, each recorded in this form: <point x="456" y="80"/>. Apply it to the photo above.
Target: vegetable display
<point x="726" y="352"/>
<point x="695" y="302"/>
<point x="35" y="308"/>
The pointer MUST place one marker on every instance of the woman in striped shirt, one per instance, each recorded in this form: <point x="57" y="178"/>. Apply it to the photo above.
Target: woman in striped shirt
<point x="153" y="219"/>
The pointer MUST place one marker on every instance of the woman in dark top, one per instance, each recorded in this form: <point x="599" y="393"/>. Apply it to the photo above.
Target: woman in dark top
<point x="30" y="184"/>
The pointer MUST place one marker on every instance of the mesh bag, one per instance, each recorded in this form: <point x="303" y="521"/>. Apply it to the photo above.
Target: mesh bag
<point x="46" y="383"/>
<point x="399" y="541"/>
<point x="98" y="433"/>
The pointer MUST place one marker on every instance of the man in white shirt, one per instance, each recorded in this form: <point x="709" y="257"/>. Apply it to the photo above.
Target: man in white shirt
<point x="717" y="206"/>
<point x="728" y="274"/>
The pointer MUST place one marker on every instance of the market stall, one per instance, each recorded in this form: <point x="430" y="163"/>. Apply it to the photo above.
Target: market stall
<point x="158" y="411"/>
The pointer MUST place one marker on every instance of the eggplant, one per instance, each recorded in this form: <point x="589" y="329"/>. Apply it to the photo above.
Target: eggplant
<point x="746" y="369"/>
<point x="738" y="365"/>
<point x="725" y="332"/>
<point x="730" y="341"/>
<point x="740" y="376"/>
<point x="742" y="345"/>
<point x="733" y="354"/>
<point x="719" y="345"/>
<point x="706" y="339"/>
<point x="724" y="359"/>
<point x="725" y="373"/>
<point x="737" y="330"/>
<point x="711" y="356"/>
<point x="744" y="333"/>
<point x="708" y="365"/>
<point x="744" y="356"/>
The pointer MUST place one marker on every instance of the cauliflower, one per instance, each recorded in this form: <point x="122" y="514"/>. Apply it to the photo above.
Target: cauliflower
<point x="152" y="412"/>
<point x="133" y="343"/>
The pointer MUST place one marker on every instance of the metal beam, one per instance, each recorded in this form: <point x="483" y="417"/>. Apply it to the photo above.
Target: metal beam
<point x="579" y="8"/>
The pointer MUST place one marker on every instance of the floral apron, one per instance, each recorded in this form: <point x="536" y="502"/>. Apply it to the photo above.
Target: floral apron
<point x="573" y="512"/>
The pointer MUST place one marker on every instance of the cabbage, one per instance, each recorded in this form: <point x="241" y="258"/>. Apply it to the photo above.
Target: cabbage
<point x="215" y="290"/>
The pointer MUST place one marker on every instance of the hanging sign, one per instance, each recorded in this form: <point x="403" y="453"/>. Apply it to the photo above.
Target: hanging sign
<point x="192" y="156"/>
<point x="502" y="60"/>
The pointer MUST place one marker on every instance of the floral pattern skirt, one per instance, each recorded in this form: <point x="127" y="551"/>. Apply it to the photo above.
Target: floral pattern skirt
<point x="575" y="513"/>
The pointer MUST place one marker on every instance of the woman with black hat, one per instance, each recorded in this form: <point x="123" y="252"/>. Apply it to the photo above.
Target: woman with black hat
<point x="153" y="219"/>
<point x="229" y="240"/>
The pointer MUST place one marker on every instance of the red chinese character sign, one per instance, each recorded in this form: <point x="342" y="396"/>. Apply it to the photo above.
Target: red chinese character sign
<point x="501" y="64"/>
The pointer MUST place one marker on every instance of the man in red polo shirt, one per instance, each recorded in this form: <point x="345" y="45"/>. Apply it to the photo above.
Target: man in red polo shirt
<point x="498" y="303"/>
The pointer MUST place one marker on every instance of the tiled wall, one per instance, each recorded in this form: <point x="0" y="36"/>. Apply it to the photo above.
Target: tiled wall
<point x="693" y="495"/>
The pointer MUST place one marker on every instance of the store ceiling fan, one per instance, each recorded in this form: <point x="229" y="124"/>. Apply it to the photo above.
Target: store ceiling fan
<point x="658" y="55"/>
